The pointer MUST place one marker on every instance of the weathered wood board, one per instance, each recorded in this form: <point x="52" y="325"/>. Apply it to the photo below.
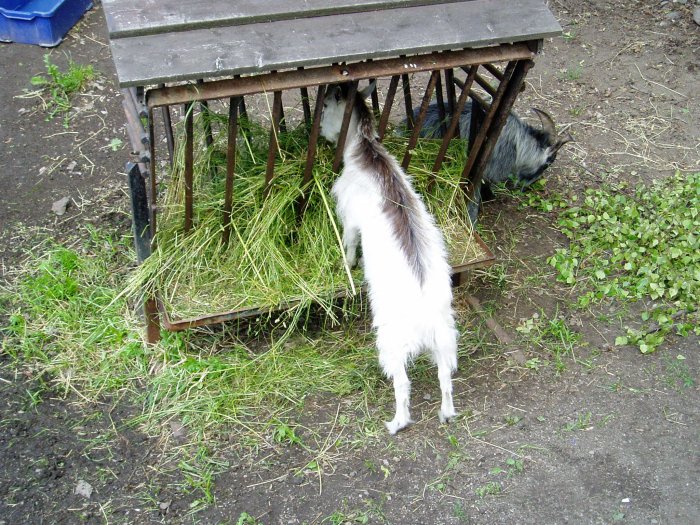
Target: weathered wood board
<point x="261" y="47"/>
<point x="144" y="17"/>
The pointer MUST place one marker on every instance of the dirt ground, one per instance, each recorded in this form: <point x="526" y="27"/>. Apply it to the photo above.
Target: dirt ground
<point x="614" y="438"/>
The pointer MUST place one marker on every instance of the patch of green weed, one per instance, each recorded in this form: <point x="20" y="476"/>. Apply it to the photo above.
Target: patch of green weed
<point x="492" y="488"/>
<point x="247" y="519"/>
<point x="678" y="375"/>
<point x="513" y="466"/>
<point x="60" y="86"/>
<point x="583" y="421"/>
<point x="574" y="72"/>
<point x="199" y="469"/>
<point x="552" y="335"/>
<point x="636" y="246"/>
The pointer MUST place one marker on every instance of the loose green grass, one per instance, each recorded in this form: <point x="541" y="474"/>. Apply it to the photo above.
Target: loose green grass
<point x="68" y="321"/>
<point x="272" y="258"/>
<point x="574" y="73"/>
<point x="64" y="320"/>
<point x="551" y="335"/>
<point x="637" y="246"/>
<point x="58" y="87"/>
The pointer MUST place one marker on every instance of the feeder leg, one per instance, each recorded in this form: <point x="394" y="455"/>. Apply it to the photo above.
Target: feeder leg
<point x="142" y="241"/>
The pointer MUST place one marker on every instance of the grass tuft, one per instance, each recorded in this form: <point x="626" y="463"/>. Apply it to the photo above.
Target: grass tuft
<point x="60" y="86"/>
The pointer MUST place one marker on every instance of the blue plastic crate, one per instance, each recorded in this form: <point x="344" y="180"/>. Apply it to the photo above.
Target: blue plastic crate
<point x="41" y="22"/>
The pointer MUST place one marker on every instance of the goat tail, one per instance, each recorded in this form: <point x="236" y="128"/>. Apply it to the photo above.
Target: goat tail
<point x="366" y="129"/>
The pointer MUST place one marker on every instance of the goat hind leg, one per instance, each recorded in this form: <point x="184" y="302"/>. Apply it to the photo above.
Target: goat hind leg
<point x="446" y="359"/>
<point x="393" y="361"/>
<point x="447" y="409"/>
<point x="402" y="393"/>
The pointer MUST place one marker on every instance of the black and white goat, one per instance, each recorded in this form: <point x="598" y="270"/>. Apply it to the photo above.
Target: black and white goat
<point x="403" y="252"/>
<point x="522" y="153"/>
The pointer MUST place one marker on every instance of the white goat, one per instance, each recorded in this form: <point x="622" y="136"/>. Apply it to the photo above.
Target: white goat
<point x="403" y="252"/>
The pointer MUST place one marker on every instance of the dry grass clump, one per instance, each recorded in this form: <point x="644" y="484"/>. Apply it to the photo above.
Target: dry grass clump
<point x="272" y="258"/>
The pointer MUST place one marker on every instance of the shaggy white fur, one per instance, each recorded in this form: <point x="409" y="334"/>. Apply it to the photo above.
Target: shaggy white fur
<point x="403" y="253"/>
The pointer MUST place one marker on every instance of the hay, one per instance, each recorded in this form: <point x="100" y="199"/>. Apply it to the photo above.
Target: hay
<point x="273" y="259"/>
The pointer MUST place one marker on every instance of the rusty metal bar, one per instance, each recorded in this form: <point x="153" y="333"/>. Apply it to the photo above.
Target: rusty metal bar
<point x="206" y="122"/>
<point x="459" y="271"/>
<point x="332" y="74"/>
<point x="497" y="73"/>
<point x="241" y="313"/>
<point x="374" y="96"/>
<point x="478" y="114"/>
<point x="141" y="228"/>
<point x="169" y="136"/>
<point x="486" y="85"/>
<point x="142" y="240"/>
<point x="311" y="152"/>
<point x="189" y="164"/>
<point x="450" y="89"/>
<point x="133" y="117"/>
<point x="243" y="111"/>
<point x="137" y="135"/>
<point x="344" y="128"/>
<point x="440" y="101"/>
<point x="467" y="174"/>
<point x="408" y="103"/>
<point x="418" y="124"/>
<point x="138" y="104"/>
<point x="479" y="100"/>
<point x="375" y="99"/>
<point x="152" y="209"/>
<point x="388" y="103"/>
<point x="150" y="311"/>
<point x="453" y="129"/>
<point x="230" y="165"/>
<point x="451" y="95"/>
<point x="274" y="140"/>
<point x="283" y="120"/>
<point x="305" y="106"/>
<point x="305" y="102"/>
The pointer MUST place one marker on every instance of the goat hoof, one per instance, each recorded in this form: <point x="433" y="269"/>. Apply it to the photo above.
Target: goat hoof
<point x="394" y="425"/>
<point x="447" y="417"/>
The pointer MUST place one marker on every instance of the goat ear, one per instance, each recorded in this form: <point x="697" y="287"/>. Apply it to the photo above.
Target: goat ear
<point x="338" y="93"/>
<point x="547" y="123"/>
<point x="366" y="92"/>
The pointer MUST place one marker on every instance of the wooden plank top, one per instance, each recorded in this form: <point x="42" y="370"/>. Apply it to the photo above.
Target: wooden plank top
<point x="180" y="54"/>
<point x="146" y="17"/>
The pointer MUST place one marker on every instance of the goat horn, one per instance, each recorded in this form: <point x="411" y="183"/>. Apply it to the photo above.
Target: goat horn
<point x="547" y="123"/>
<point x="567" y="138"/>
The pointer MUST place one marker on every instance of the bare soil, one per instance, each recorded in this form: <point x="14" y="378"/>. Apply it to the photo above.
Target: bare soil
<point x="612" y="438"/>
